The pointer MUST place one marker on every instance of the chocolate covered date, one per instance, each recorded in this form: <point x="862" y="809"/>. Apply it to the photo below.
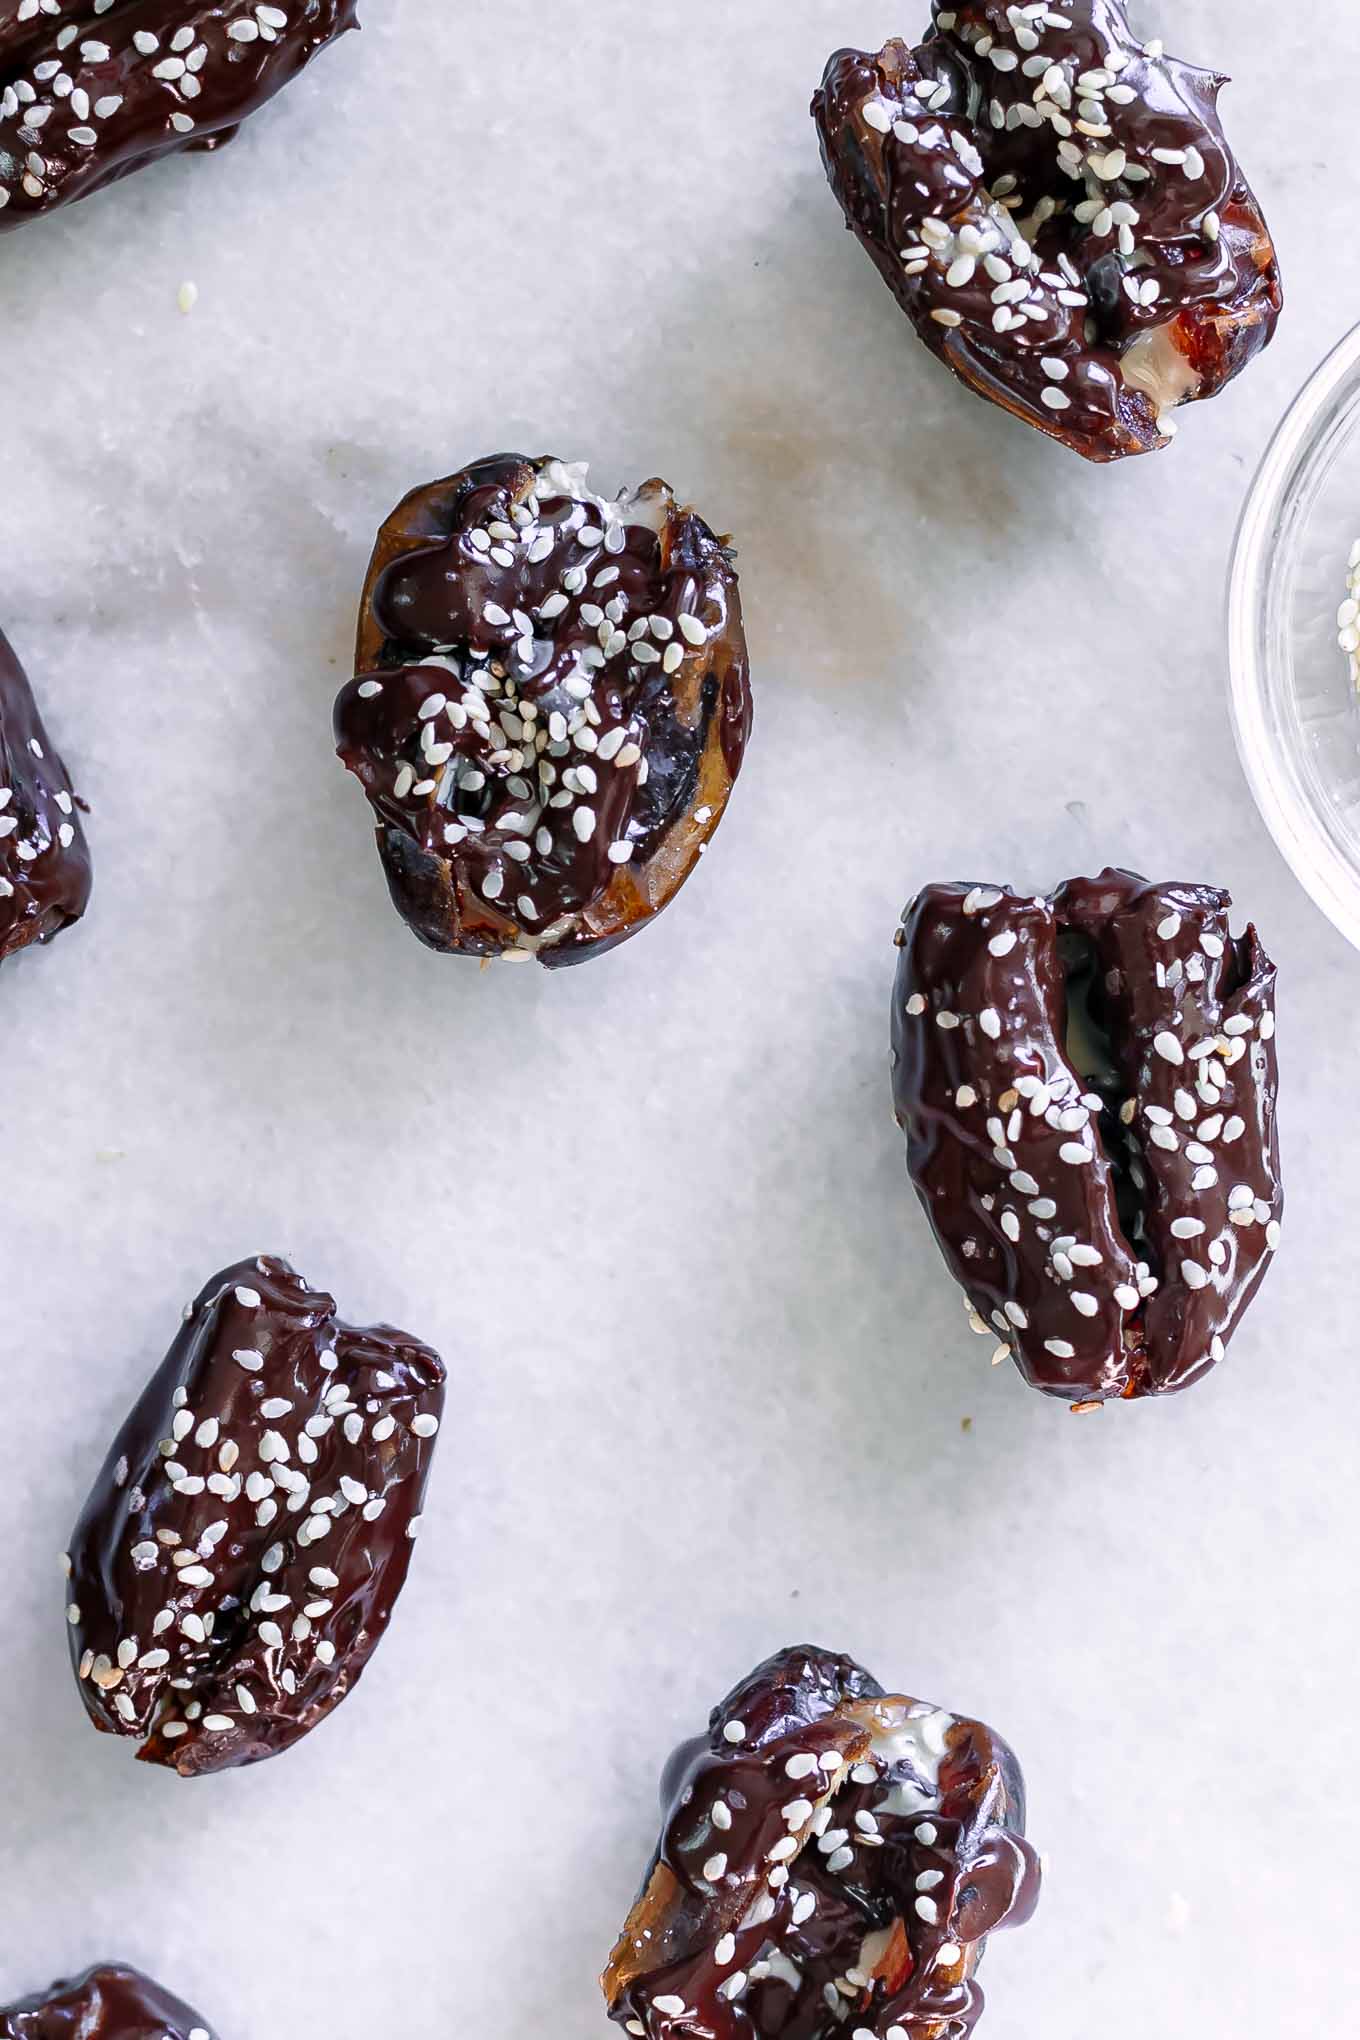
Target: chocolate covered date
<point x="832" y="1859"/>
<point x="91" y="90"/>
<point x="248" y="1536"/>
<point x="111" y="2002"/>
<point x="1088" y="1088"/>
<point x="1056" y="208"/>
<point x="550" y="709"/>
<point x="44" y="863"/>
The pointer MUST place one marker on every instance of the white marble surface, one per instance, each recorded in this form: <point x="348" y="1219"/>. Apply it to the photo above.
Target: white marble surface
<point x="713" y="1391"/>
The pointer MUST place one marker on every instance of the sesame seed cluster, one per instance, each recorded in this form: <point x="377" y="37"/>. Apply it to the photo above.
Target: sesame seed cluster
<point x="44" y="862"/>
<point x="1348" y="616"/>
<point x="240" y="1554"/>
<point x="1088" y="1088"/>
<point x="93" y="89"/>
<point x="1055" y="206"/>
<point x="831" y="1861"/>
<point x="551" y="708"/>
<point x="110" y="2002"/>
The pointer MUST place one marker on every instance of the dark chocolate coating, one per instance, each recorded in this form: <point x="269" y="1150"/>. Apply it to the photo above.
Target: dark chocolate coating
<point x="824" y="1845"/>
<point x="1088" y="1088"/>
<point x="1055" y="207"/>
<point x="550" y="710"/>
<point x="110" y="2002"/>
<point x="91" y="90"/>
<point x="44" y="862"/>
<point x="284" y="1455"/>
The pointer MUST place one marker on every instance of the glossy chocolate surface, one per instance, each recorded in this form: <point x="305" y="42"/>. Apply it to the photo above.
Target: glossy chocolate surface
<point x="1056" y="208"/>
<point x="244" y="1545"/>
<point x="111" y="2002"/>
<point x="1088" y="1088"/>
<point x="44" y="862"/>
<point x="91" y="90"/>
<point x="831" y="1861"/>
<point x="550" y="709"/>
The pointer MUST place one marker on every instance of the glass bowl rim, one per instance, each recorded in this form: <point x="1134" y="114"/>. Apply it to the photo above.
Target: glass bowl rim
<point x="1292" y="470"/>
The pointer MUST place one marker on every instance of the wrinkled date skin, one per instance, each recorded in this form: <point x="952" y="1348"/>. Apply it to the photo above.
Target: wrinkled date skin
<point x="1088" y="1088"/>
<point x="111" y="2002"/>
<point x="91" y="90"/>
<point x="824" y="1844"/>
<point x="1054" y="205"/>
<point x="550" y="710"/>
<point x="44" y="862"/>
<point x="248" y="1536"/>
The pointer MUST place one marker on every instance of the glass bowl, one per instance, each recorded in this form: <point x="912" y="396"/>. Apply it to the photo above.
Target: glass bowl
<point x="1295" y="709"/>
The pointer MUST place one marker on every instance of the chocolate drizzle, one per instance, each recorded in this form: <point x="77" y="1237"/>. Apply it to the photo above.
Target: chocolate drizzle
<point x="550" y="709"/>
<point x="44" y="862"/>
<point x="1056" y="208"/>
<point x="831" y="1861"/>
<point x="244" y="1545"/>
<point x="90" y="92"/>
<point x="1088" y="1087"/>
<point x="110" y="2002"/>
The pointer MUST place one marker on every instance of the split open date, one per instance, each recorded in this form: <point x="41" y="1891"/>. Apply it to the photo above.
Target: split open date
<point x="91" y="90"/>
<point x="551" y="707"/>
<point x="111" y="2002"/>
<point x="241" y="1553"/>
<point x="1088" y="1088"/>
<point x="832" y="1859"/>
<point x="1054" y="204"/>
<point x="44" y="861"/>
